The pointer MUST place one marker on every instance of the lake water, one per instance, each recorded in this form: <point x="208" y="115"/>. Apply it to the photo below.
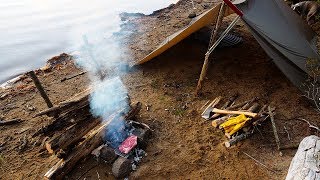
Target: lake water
<point x="32" y="31"/>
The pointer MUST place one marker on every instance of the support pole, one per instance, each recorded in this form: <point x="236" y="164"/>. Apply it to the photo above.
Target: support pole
<point x="40" y="88"/>
<point x="210" y="50"/>
<point x="212" y="39"/>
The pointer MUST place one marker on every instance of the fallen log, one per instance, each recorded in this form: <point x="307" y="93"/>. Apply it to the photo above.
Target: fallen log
<point x="221" y="111"/>
<point x="71" y="136"/>
<point x="93" y="140"/>
<point x="10" y="122"/>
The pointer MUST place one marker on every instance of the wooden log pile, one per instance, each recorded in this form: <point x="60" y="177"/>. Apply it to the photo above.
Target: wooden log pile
<point x="236" y="120"/>
<point x="74" y="133"/>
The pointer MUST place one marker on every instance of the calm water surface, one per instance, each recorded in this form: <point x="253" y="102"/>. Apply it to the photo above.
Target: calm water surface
<point x="32" y="31"/>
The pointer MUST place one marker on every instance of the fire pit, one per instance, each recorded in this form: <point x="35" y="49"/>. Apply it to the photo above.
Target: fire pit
<point x="124" y="146"/>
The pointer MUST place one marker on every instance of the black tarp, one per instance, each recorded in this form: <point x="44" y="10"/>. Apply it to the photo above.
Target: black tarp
<point x="285" y="37"/>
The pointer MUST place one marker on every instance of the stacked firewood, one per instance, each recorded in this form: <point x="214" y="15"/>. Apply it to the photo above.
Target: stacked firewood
<point x="236" y="120"/>
<point x="74" y="133"/>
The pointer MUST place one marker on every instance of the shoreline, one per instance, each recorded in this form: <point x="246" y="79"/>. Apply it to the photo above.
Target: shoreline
<point x="128" y="15"/>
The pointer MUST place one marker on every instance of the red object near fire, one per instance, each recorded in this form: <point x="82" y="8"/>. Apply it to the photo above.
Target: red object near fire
<point x="127" y="145"/>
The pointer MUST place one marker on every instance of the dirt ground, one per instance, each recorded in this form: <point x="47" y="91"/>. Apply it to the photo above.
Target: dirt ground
<point x="183" y="145"/>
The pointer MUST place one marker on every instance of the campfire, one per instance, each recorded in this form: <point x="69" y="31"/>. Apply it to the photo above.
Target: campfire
<point x="93" y="123"/>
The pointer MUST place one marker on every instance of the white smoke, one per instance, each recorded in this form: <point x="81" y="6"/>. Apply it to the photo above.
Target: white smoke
<point x="108" y="96"/>
<point x="103" y="61"/>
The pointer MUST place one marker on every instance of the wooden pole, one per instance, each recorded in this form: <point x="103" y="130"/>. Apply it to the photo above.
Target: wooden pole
<point x="212" y="39"/>
<point x="40" y="88"/>
<point x="274" y="128"/>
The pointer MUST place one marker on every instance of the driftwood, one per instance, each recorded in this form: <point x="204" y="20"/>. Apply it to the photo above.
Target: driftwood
<point x="93" y="140"/>
<point x="71" y="136"/>
<point x="10" y="122"/>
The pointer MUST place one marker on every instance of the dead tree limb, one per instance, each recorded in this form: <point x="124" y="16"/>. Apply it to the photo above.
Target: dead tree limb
<point x="274" y="128"/>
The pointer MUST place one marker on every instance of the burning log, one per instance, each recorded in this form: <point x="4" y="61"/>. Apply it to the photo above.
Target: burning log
<point x="93" y="140"/>
<point x="71" y="136"/>
<point x="121" y="167"/>
<point x="108" y="154"/>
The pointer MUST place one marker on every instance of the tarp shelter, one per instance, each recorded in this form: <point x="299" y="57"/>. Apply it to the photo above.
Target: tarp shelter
<point x="279" y="30"/>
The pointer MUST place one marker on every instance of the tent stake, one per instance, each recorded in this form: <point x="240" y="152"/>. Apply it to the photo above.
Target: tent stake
<point x="206" y="60"/>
